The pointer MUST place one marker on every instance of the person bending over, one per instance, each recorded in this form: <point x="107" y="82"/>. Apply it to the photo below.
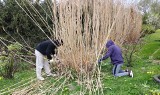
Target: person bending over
<point x="45" y="49"/>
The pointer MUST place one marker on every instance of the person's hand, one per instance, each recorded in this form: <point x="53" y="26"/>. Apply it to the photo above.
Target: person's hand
<point x="99" y="61"/>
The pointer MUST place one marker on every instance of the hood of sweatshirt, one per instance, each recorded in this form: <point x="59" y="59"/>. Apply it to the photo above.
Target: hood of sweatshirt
<point x="109" y="43"/>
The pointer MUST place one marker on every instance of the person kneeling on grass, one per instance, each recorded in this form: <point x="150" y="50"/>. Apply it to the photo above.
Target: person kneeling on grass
<point x="45" y="48"/>
<point x="115" y="54"/>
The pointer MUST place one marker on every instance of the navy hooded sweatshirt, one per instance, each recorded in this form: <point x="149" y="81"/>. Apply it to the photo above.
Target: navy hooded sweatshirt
<point x="114" y="52"/>
<point x="47" y="48"/>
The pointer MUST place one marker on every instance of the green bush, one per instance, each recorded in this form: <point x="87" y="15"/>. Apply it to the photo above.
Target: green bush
<point x="23" y="66"/>
<point x="147" y="29"/>
<point x="7" y="67"/>
<point x="14" y="47"/>
<point x="9" y="61"/>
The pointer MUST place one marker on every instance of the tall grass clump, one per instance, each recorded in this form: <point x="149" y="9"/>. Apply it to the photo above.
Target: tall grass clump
<point x="85" y="26"/>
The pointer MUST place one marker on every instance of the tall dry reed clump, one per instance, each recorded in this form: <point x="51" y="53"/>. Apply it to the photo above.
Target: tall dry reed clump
<point x="86" y="25"/>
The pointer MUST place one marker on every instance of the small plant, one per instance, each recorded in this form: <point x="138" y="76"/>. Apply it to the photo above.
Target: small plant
<point x="130" y="48"/>
<point x="9" y="61"/>
<point x="155" y="92"/>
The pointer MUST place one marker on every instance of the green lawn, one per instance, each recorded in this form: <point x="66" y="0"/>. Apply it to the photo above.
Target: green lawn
<point x="141" y="84"/>
<point x="21" y="79"/>
<point x="152" y="46"/>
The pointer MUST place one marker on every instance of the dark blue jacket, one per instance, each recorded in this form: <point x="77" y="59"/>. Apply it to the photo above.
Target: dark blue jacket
<point x="114" y="52"/>
<point x="47" y="48"/>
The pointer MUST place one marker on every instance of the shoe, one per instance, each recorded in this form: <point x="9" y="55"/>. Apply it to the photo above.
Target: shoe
<point x="40" y="78"/>
<point x="131" y="73"/>
<point x="50" y="74"/>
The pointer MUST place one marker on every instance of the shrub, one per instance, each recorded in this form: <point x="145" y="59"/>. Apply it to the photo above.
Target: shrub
<point x="9" y="61"/>
<point x="147" y="29"/>
<point x="23" y="66"/>
<point x="7" y="67"/>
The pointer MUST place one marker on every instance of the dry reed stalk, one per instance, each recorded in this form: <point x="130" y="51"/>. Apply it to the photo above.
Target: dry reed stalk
<point x="55" y="87"/>
<point x="36" y="87"/>
<point x="33" y="88"/>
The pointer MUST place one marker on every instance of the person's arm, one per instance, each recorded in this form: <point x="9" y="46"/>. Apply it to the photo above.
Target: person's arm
<point x="49" y="52"/>
<point x="109" y="52"/>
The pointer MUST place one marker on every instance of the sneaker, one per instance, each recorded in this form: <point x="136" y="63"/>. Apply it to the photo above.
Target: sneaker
<point x="40" y="78"/>
<point x="131" y="73"/>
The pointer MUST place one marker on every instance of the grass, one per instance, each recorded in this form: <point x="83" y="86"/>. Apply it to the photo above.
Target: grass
<point x="19" y="80"/>
<point x="141" y="84"/>
<point x="152" y="46"/>
<point x="20" y="76"/>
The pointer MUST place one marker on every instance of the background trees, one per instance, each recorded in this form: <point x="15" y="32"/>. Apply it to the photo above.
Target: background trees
<point x="16" y="26"/>
<point x="151" y="15"/>
<point x="14" y="23"/>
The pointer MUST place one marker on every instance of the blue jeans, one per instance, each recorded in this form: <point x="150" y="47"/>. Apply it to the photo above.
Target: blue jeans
<point x="118" y="72"/>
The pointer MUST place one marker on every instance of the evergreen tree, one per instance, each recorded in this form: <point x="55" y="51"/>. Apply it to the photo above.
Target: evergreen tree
<point x="16" y="22"/>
